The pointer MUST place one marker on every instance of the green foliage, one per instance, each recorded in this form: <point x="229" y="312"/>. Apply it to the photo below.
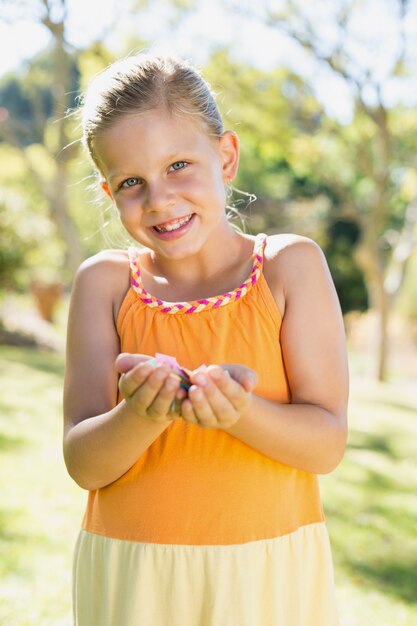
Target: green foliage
<point x="293" y="160"/>
<point x="310" y="174"/>
<point x="348" y="279"/>
<point x="15" y="99"/>
<point x="30" y="246"/>
<point x="288" y="108"/>
<point x="33" y="247"/>
<point x="11" y="252"/>
<point x="28" y="99"/>
<point x="407" y="301"/>
<point x="90" y="62"/>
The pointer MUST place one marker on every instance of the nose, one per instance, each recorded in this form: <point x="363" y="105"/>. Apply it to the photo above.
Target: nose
<point x="159" y="197"/>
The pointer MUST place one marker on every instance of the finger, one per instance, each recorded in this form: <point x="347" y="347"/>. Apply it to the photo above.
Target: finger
<point x="187" y="412"/>
<point x="143" y="383"/>
<point x="146" y="394"/>
<point x="165" y="400"/>
<point x="232" y="390"/>
<point x="127" y="361"/>
<point x="131" y="380"/>
<point x="221" y="407"/>
<point x="243" y="375"/>
<point x="201" y="407"/>
<point x="175" y="409"/>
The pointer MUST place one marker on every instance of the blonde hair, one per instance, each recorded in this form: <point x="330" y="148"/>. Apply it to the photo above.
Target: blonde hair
<point x="142" y="83"/>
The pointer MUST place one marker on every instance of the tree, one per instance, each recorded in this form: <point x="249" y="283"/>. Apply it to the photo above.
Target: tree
<point x="49" y="95"/>
<point x="50" y="86"/>
<point x="380" y="152"/>
<point x="281" y="150"/>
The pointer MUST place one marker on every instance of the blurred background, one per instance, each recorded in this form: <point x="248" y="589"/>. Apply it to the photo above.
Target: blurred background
<point x="324" y="98"/>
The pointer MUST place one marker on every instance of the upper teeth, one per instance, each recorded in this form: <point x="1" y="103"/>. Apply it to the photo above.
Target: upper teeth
<point x="174" y="224"/>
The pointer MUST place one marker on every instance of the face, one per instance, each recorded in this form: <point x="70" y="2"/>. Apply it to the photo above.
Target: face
<point x="167" y="177"/>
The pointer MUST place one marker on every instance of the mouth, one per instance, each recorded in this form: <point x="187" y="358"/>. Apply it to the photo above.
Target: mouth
<point x="172" y="225"/>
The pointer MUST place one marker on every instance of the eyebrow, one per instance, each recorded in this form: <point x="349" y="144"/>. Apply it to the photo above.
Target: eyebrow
<point x="122" y="176"/>
<point x="172" y="157"/>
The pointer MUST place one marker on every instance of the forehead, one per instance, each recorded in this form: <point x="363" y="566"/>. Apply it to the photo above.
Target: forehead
<point x="158" y="132"/>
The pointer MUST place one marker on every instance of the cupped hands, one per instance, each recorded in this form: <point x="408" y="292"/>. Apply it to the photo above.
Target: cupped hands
<point x="219" y="394"/>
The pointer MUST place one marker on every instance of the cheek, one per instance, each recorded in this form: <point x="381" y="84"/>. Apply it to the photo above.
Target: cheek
<point x="211" y="187"/>
<point x="218" y="185"/>
<point x="220" y="192"/>
<point x="128" y="206"/>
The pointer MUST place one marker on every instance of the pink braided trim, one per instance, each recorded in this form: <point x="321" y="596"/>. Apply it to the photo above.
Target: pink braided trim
<point x="206" y="303"/>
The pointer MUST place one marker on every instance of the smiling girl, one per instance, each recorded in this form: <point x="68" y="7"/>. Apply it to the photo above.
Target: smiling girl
<point x="203" y="507"/>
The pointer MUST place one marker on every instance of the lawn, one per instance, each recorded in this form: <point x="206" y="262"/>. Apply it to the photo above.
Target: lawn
<point x="370" y="500"/>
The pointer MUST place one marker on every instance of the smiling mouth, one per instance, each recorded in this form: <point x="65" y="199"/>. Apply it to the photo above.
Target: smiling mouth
<point x="173" y="224"/>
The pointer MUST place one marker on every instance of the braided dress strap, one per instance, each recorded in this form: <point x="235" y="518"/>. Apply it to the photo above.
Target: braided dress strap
<point x="197" y="306"/>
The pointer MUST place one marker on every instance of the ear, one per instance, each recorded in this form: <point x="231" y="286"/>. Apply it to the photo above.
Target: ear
<point x="229" y="151"/>
<point x="106" y="188"/>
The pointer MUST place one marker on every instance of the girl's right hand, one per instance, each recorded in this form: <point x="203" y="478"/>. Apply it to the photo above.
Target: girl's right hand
<point x="149" y="388"/>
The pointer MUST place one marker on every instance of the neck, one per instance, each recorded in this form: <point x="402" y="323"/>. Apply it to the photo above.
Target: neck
<point x="220" y="266"/>
<point x="210" y="261"/>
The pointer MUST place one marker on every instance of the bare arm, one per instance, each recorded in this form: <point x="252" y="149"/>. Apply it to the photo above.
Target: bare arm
<point x="309" y="433"/>
<point x="103" y="439"/>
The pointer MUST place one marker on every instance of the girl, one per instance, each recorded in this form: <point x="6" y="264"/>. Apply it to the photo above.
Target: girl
<point x="204" y="507"/>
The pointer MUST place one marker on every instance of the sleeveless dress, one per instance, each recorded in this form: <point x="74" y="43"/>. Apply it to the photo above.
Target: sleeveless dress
<point x="204" y="530"/>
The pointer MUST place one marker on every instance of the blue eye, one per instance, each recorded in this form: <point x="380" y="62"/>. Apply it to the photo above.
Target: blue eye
<point x="130" y="182"/>
<point x="179" y="165"/>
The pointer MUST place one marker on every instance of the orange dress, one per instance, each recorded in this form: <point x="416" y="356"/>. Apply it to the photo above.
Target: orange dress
<point x="204" y="530"/>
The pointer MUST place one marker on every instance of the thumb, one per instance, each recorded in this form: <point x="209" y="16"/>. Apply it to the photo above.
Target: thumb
<point x="243" y="375"/>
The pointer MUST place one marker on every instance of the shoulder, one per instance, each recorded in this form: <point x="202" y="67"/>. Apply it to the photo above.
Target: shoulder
<point x="108" y="263"/>
<point x="288" y="244"/>
<point x="289" y="261"/>
<point x="104" y="261"/>
<point x="104" y="278"/>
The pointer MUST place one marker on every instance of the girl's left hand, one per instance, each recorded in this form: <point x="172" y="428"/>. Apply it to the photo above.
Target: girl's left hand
<point x="219" y="395"/>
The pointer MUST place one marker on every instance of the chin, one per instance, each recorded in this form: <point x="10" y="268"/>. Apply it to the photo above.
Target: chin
<point x="180" y="252"/>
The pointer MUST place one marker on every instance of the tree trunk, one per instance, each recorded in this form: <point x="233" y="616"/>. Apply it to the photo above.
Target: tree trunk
<point x="367" y="255"/>
<point x="58" y="193"/>
<point x="58" y="205"/>
<point x="382" y="307"/>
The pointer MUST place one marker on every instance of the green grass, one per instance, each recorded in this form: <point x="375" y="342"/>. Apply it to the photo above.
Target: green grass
<point x="370" y="501"/>
<point x="371" y="506"/>
<point x="40" y="509"/>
